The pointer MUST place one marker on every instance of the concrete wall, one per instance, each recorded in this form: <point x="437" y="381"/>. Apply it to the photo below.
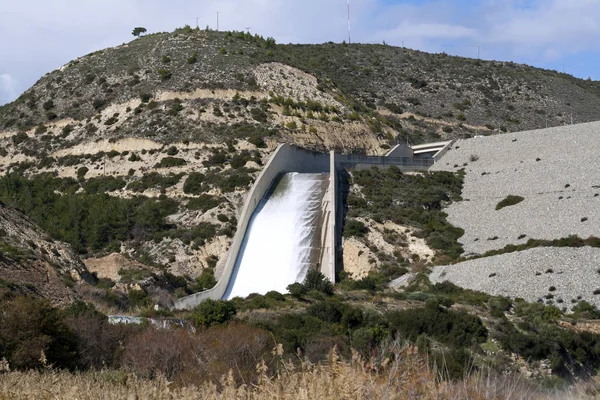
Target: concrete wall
<point x="443" y="151"/>
<point x="287" y="158"/>
<point x="351" y="161"/>
<point x="400" y="150"/>
<point x="328" y="229"/>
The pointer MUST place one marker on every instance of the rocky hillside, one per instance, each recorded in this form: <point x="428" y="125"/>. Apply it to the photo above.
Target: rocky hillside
<point x="33" y="263"/>
<point x="145" y="150"/>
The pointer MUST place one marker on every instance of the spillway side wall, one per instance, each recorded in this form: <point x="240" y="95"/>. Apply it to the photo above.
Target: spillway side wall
<point x="328" y="229"/>
<point x="287" y="158"/>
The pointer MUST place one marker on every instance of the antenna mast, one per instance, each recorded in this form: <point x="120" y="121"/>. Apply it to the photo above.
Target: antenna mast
<point x="348" y="21"/>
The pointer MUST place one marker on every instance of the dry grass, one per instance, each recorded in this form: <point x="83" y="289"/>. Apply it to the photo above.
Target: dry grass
<point x="408" y="376"/>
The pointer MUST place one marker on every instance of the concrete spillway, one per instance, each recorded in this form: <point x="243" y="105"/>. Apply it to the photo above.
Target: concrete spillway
<point x="283" y="236"/>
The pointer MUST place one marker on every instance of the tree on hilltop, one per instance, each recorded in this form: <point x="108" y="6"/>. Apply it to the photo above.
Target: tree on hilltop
<point x="138" y="31"/>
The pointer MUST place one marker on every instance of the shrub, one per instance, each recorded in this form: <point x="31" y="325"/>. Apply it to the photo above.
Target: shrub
<point x="31" y="329"/>
<point x="355" y="228"/>
<point x="171" y="151"/>
<point x="211" y="312"/>
<point x="193" y="183"/>
<point x="457" y="329"/>
<point x="510" y="200"/>
<point x="258" y="141"/>
<point x="204" y="203"/>
<point x="275" y="295"/>
<point x="164" y="74"/>
<point x="169" y="162"/>
<point x="103" y="184"/>
<point x="297" y="289"/>
<point x="315" y="280"/>
<point x="258" y="114"/>
<point x="205" y="281"/>
<point x="19" y="138"/>
<point x="81" y="171"/>
<point x="193" y="58"/>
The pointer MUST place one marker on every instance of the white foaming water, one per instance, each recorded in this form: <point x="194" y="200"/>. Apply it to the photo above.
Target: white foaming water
<point x="282" y="236"/>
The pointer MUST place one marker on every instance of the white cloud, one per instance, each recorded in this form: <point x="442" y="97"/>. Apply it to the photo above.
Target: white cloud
<point x="556" y="27"/>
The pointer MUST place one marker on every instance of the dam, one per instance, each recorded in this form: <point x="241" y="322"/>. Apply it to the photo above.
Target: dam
<point x="283" y="236"/>
<point x="292" y="219"/>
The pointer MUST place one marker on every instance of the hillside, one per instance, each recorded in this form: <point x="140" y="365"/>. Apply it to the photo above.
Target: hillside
<point x="34" y="264"/>
<point x="524" y="190"/>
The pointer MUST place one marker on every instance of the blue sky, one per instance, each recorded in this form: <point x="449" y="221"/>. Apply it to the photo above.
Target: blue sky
<point x="38" y="36"/>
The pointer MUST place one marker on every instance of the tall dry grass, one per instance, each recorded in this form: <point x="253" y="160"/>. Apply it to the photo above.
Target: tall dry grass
<point x="407" y="375"/>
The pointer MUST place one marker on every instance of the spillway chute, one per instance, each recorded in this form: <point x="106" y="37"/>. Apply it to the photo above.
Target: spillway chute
<point x="282" y="240"/>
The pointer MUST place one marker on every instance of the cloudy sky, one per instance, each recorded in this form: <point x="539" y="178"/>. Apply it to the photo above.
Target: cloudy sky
<point x="38" y="36"/>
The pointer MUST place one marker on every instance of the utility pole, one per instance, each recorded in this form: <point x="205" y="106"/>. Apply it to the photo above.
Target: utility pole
<point x="197" y="26"/>
<point x="217" y="21"/>
<point x="478" y="49"/>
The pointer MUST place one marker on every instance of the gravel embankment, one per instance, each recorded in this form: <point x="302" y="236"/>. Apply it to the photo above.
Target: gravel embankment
<point x="556" y="170"/>
<point x="531" y="275"/>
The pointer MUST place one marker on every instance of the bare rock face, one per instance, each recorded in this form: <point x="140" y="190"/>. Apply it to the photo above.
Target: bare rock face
<point x="33" y="263"/>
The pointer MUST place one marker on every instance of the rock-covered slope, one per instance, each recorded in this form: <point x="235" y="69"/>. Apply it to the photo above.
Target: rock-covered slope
<point x="33" y="263"/>
<point x="530" y="206"/>
<point x="556" y="171"/>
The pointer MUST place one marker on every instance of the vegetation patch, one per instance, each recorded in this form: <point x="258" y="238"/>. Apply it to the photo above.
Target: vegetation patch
<point x="412" y="200"/>
<point x="510" y="200"/>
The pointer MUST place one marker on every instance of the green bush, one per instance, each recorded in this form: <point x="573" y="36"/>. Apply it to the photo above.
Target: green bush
<point x="154" y="180"/>
<point x="212" y="312"/>
<point x="204" y="202"/>
<point x="297" y="289"/>
<point x="169" y="162"/>
<point x="454" y="328"/>
<point x="81" y="171"/>
<point x="258" y="141"/>
<point x="164" y="74"/>
<point x="193" y="183"/>
<point x="355" y="228"/>
<point x="205" y="281"/>
<point x="315" y="280"/>
<point x="510" y="200"/>
<point x="193" y="58"/>
<point x="103" y="184"/>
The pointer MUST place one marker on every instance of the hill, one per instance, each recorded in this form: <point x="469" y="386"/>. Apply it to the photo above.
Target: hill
<point x="180" y="124"/>
<point x="138" y="158"/>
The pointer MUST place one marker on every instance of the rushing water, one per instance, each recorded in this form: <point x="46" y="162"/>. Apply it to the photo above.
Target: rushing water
<point x="283" y="236"/>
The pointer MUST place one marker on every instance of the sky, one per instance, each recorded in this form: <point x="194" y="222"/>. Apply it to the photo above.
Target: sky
<point x="38" y="36"/>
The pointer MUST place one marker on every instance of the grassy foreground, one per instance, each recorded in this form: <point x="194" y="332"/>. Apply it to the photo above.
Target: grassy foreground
<point x="407" y="376"/>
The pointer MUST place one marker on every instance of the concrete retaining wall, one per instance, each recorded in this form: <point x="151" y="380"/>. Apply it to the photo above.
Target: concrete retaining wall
<point x="443" y="151"/>
<point x="287" y="158"/>
<point x="352" y="161"/>
<point x="400" y="150"/>
<point x="328" y="229"/>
